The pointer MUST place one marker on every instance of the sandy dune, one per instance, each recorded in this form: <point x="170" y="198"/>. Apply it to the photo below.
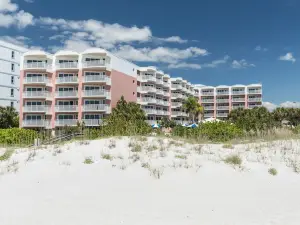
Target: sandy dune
<point x="166" y="183"/>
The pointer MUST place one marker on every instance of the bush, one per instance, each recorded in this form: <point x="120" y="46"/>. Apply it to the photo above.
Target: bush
<point x="18" y="136"/>
<point x="88" y="160"/>
<point x="234" y="160"/>
<point x="215" y="131"/>
<point x="6" y="155"/>
<point x="272" y="171"/>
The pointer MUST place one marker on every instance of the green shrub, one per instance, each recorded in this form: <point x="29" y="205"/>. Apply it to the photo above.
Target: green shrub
<point x="88" y="160"/>
<point x="181" y="156"/>
<point x="229" y="146"/>
<point x="215" y="131"/>
<point x="272" y="171"/>
<point x="136" y="148"/>
<point x="107" y="157"/>
<point x="6" y="155"/>
<point x="234" y="160"/>
<point x="17" y="136"/>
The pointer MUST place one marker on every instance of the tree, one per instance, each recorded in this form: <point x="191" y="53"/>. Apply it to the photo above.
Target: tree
<point x="192" y="107"/>
<point x="9" y="117"/>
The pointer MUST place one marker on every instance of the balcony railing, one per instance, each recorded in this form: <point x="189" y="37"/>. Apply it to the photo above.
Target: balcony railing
<point x="208" y="100"/>
<point x="66" y="108"/>
<point x="176" y="95"/>
<point x="36" y="94"/>
<point x="222" y="114"/>
<point x="92" y="122"/>
<point x="159" y="81"/>
<point x="36" y="65"/>
<point x="222" y="100"/>
<point x="66" y="94"/>
<point x="160" y="102"/>
<point x="146" y="89"/>
<point x="254" y="99"/>
<point x="66" y="80"/>
<point x="96" y="63"/>
<point x="176" y="104"/>
<point x="67" y="65"/>
<point x="238" y="106"/>
<point x="254" y="91"/>
<point x="162" y="112"/>
<point x="166" y="84"/>
<point x="159" y="92"/>
<point x="176" y="86"/>
<point x="238" y="99"/>
<point x="37" y="80"/>
<point x="208" y="115"/>
<point x="166" y="93"/>
<point x="66" y="122"/>
<point x="209" y="107"/>
<point x="177" y="113"/>
<point x="35" y="123"/>
<point x="223" y="107"/>
<point x="95" y="107"/>
<point x="96" y="93"/>
<point x="96" y="78"/>
<point x="150" y="111"/>
<point x="148" y="100"/>
<point x="145" y="78"/>
<point x="36" y="108"/>
<point x="208" y="93"/>
<point x="238" y="92"/>
<point x="223" y="93"/>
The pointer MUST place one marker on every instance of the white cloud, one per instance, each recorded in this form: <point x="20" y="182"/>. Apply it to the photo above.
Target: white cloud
<point x="7" y="6"/>
<point x="174" y="39"/>
<point x="259" y="48"/>
<point x="269" y="105"/>
<point x="288" y="57"/>
<point x="160" y="54"/>
<point x="289" y="104"/>
<point x="216" y="63"/>
<point x="185" y="66"/>
<point x="20" y="19"/>
<point x="22" y="41"/>
<point x="241" y="64"/>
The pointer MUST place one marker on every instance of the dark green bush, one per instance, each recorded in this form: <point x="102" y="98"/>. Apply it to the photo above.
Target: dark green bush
<point x="17" y="136"/>
<point x="216" y="131"/>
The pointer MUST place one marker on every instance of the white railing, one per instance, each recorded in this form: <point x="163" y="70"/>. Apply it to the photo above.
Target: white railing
<point x="93" y="78"/>
<point x="148" y="78"/>
<point x="166" y="103"/>
<point x="36" y="108"/>
<point x="67" y="65"/>
<point x="238" y="92"/>
<point x="160" y="102"/>
<point x="166" y="93"/>
<point x="222" y="114"/>
<point x="150" y="111"/>
<point x="208" y="115"/>
<point x="223" y="107"/>
<point x="209" y="100"/>
<point x="254" y="99"/>
<point x="34" y="80"/>
<point x="166" y="84"/>
<point x="66" y="108"/>
<point x="92" y="122"/>
<point x="66" y="122"/>
<point x="146" y="89"/>
<point x="36" y="94"/>
<point x="238" y="106"/>
<point x="62" y="80"/>
<point x="176" y="95"/>
<point x="176" y="86"/>
<point x="66" y="94"/>
<point x="162" y="112"/>
<point x="209" y="107"/>
<point x="254" y="91"/>
<point x="94" y="63"/>
<point x="222" y="100"/>
<point x="35" y="65"/>
<point x="208" y="93"/>
<point x="35" y="123"/>
<point x="159" y="92"/>
<point x="223" y="93"/>
<point x="238" y="99"/>
<point x="96" y="93"/>
<point x="176" y="104"/>
<point x="176" y="113"/>
<point x="159" y="81"/>
<point x="95" y="107"/>
<point x="149" y="100"/>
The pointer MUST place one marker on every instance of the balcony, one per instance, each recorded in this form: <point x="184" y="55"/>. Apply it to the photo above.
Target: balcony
<point x="166" y="84"/>
<point x="160" y="102"/>
<point x="36" y="65"/>
<point x="238" y="106"/>
<point x="147" y="100"/>
<point x="177" y="113"/>
<point x="101" y="64"/>
<point x="148" y="78"/>
<point x="211" y="93"/>
<point x="223" y="107"/>
<point x="222" y="114"/>
<point x="159" y="81"/>
<point x="67" y="65"/>
<point x="36" y="109"/>
<point x="238" y="92"/>
<point x="146" y="89"/>
<point x="176" y="95"/>
<point x="66" y="94"/>
<point x="176" y="86"/>
<point x="209" y="115"/>
<point x="92" y="122"/>
<point x="238" y="100"/>
<point x="66" y="122"/>
<point x="159" y="92"/>
<point x="66" y="108"/>
<point x="208" y="100"/>
<point x="37" y="94"/>
<point x="150" y="111"/>
<point x="254" y="99"/>
<point x="209" y="108"/>
<point x="166" y="93"/>
<point x="162" y="113"/>
<point x="222" y="100"/>
<point x="223" y="93"/>
<point x="97" y="78"/>
<point x="253" y="106"/>
<point x="38" y="80"/>
<point x="95" y="108"/>
<point x="254" y="91"/>
<point x="36" y="123"/>
<point x="176" y="104"/>
<point x="100" y="93"/>
<point x="67" y="80"/>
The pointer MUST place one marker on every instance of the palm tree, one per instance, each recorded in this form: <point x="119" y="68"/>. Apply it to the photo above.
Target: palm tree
<point x="192" y="107"/>
<point x="8" y="117"/>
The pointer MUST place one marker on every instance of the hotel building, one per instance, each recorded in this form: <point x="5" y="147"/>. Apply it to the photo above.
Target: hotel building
<point x="67" y="87"/>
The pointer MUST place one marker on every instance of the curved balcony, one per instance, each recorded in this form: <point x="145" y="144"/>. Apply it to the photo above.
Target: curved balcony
<point x="95" y="108"/>
<point x="66" y="108"/>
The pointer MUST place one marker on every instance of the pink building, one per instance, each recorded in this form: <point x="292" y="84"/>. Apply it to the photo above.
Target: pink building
<point x="67" y="87"/>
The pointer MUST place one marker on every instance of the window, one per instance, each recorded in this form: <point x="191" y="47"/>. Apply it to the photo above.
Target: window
<point x="132" y="81"/>
<point x="13" y="54"/>
<point x="12" y="104"/>
<point x="12" y="67"/>
<point x="12" y="80"/>
<point x="12" y="92"/>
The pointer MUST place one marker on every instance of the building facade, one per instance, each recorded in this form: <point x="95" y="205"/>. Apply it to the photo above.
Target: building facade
<point x="10" y="56"/>
<point x="67" y="87"/>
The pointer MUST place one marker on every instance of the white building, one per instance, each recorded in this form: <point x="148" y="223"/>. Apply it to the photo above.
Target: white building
<point x="10" y="56"/>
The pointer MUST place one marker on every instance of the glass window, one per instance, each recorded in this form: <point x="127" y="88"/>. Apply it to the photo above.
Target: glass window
<point x="12" y="67"/>
<point x="12" y="92"/>
<point x="12" y="80"/>
<point x="12" y="104"/>
<point x="13" y="54"/>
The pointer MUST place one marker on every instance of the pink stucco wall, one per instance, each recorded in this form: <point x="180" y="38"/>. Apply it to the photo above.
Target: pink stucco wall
<point x="22" y="74"/>
<point x="122" y="84"/>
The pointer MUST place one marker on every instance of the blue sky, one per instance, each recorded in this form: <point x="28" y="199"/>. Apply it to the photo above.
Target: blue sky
<point x="210" y="42"/>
